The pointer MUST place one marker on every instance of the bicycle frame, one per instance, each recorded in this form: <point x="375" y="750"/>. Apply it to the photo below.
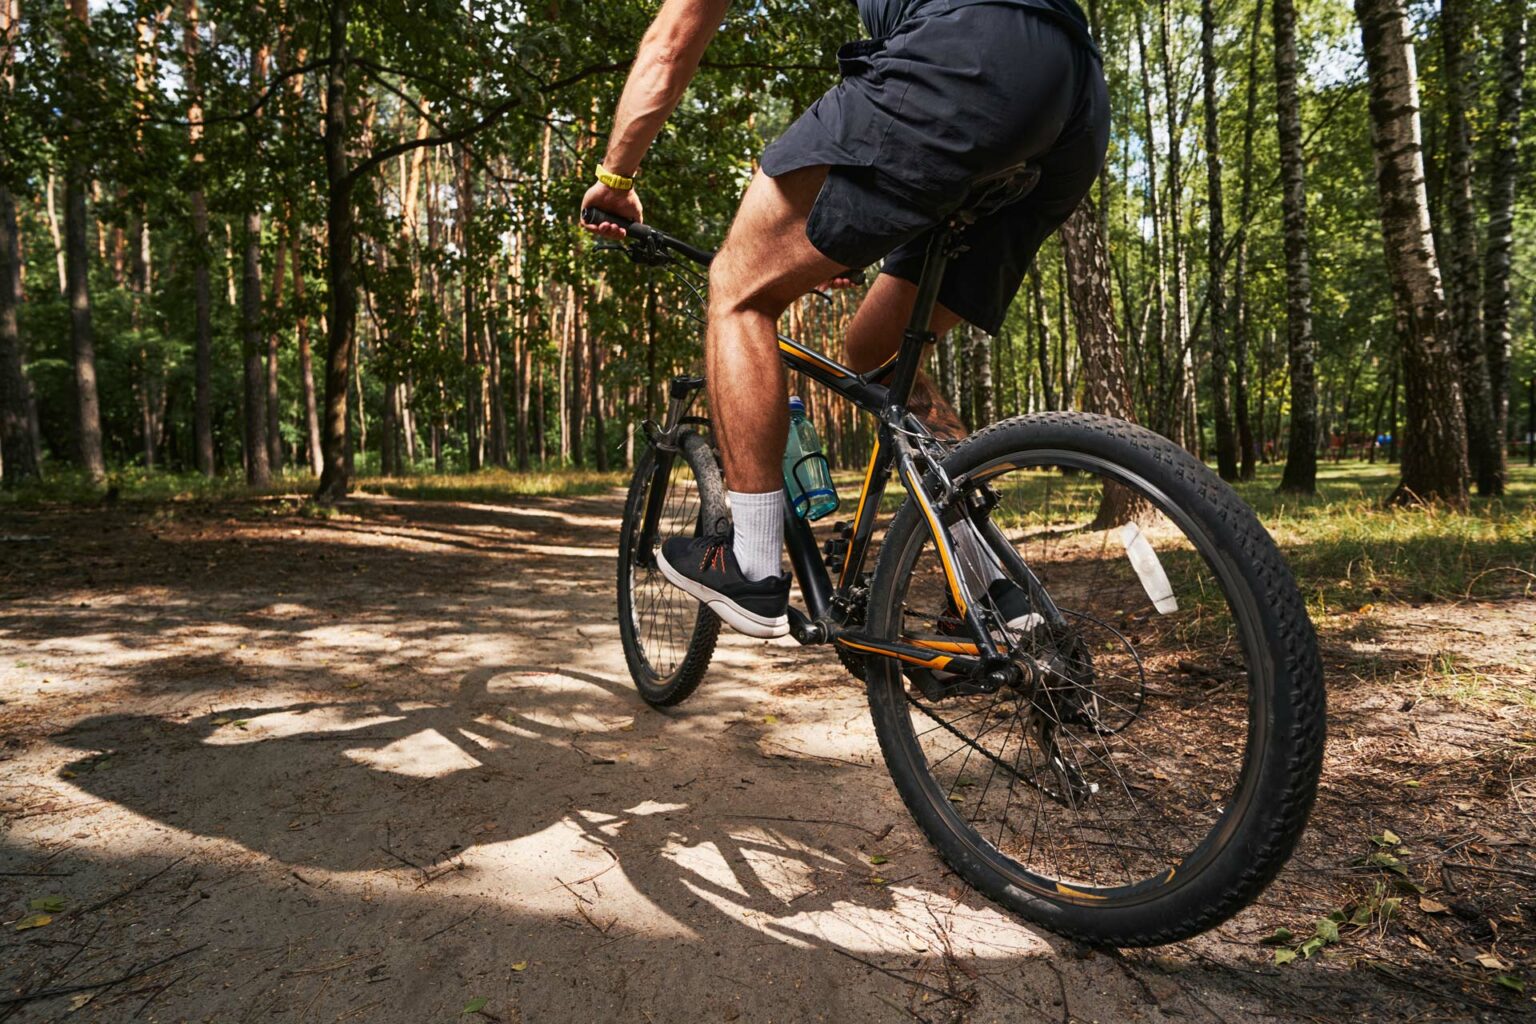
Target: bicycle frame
<point x="884" y="394"/>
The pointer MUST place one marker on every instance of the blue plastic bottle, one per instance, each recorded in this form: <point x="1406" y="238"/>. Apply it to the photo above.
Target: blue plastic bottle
<point x="807" y="474"/>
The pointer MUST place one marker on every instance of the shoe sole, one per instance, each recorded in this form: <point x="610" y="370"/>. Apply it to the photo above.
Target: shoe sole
<point x="738" y="618"/>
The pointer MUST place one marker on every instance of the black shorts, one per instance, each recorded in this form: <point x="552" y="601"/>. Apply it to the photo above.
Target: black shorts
<point x="952" y="97"/>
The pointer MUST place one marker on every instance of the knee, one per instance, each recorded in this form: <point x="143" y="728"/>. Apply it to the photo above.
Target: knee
<point x="734" y="290"/>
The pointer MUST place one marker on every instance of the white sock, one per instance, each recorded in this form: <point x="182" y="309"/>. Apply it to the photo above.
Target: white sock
<point x="759" y="520"/>
<point x="975" y="555"/>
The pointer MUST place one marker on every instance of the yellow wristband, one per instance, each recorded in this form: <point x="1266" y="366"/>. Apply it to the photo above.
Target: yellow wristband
<point x="612" y="180"/>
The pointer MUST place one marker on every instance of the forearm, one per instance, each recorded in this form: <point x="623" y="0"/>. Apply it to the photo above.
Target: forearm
<point x="668" y="57"/>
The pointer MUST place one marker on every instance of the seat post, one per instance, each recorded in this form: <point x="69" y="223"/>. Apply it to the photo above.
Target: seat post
<point x="919" y="333"/>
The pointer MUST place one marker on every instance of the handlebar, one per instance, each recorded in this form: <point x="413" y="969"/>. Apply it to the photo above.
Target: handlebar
<point x="647" y="235"/>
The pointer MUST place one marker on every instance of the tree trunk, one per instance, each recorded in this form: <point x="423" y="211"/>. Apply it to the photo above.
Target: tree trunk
<point x="1435" y="455"/>
<point x="77" y="279"/>
<point x="1106" y="385"/>
<point x="81" y="331"/>
<point x="306" y="364"/>
<point x="339" y="230"/>
<point x="258" y="470"/>
<point x="273" y="405"/>
<point x="18" y="459"/>
<point x="55" y="231"/>
<point x="1162" y="419"/>
<point x="1043" y="340"/>
<point x="1187" y="433"/>
<point x="495" y="394"/>
<point x="1498" y="257"/>
<point x="599" y="423"/>
<point x="1226" y="437"/>
<point x="1463" y="279"/>
<point x="1247" y="443"/>
<point x="980" y="355"/>
<point x="578" y="379"/>
<point x="202" y="293"/>
<point x="1301" y="460"/>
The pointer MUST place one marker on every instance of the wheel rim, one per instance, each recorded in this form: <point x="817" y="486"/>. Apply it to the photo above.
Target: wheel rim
<point x="662" y="618"/>
<point x="1110" y="787"/>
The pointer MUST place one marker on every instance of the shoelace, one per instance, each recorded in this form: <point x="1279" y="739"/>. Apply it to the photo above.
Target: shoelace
<point x="714" y="552"/>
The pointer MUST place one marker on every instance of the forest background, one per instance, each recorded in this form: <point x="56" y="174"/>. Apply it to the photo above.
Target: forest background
<point x="338" y="238"/>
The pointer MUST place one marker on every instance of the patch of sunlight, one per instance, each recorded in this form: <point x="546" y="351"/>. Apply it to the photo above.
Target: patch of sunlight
<point x="483" y="742"/>
<point x="537" y="874"/>
<point x="707" y="863"/>
<point x="784" y="875"/>
<point x="561" y="550"/>
<point x="282" y="724"/>
<point x="424" y="755"/>
<point x="648" y="807"/>
<point x="524" y="512"/>
<point x="533" y="875"/>
<point x="556" y="700"/>
<point x="889" y="921"/>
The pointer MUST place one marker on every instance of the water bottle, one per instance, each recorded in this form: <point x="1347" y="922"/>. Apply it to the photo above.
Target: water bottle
<point x="807" y="474"/>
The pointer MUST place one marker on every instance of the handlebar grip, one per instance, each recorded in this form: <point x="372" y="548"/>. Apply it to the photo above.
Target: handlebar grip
<point x="592" y="215"/>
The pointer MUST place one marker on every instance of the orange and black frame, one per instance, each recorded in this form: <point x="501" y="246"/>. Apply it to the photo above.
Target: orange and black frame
<point x="903" y="446"/>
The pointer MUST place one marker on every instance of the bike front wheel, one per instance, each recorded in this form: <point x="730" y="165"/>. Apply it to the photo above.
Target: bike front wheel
<point x="668" y="637"/>
<point x="1153" y="767"/>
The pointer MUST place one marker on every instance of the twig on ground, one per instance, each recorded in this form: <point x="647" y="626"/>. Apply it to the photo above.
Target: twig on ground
<point x="16" y="1008"/>
<point x="601" y="930"/>
<point x="156" y="994"/>
<point x="1061" y="984"/>
<point x="894" y="974"/>
<point x="128" y="891"/>
<point x="1493" y="869"/>
<point x="816" y="757"/>
<point x="450" y="927"/>
<point x="573" y="892"/>
<point x="64" y="990"/>
<point x="36" y="874"/>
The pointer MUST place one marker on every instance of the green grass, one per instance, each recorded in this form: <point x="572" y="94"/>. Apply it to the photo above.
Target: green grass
<point x="495" y="485"/>
<point x="71" y="487"/>
<point x="139" y="486"/>
<point x="1348" y="549"/>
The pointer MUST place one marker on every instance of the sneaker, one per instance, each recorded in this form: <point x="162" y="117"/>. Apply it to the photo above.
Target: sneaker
<point x="706" y="569"/>
<point x="1013" y="606"/>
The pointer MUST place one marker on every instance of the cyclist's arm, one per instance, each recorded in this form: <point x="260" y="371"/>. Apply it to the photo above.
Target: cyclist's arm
<point x="669" y="56"/>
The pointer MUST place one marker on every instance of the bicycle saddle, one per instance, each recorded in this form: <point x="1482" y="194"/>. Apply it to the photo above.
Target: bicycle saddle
<point x="996" y="191"/>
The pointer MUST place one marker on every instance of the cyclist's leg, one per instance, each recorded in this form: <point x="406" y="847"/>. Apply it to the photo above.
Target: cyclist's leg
<point x="767" y="263"/>
<point x="875" y="335"/>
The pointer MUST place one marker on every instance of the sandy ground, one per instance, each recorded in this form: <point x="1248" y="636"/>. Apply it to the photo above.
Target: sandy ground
<point x="389" y="766"/>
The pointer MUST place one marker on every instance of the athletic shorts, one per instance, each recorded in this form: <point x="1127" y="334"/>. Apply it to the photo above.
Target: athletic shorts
<point x="954" y="96"/>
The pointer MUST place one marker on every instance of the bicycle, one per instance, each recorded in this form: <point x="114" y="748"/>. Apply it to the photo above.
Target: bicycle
<point x="1128" y="762"/>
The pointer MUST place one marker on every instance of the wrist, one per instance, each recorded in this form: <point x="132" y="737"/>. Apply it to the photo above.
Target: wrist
<point x="624" y="166"/>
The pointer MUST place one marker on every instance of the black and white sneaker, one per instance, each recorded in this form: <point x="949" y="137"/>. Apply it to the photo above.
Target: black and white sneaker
<point x="706" y="569"/>
<point x="1014" y="606"/>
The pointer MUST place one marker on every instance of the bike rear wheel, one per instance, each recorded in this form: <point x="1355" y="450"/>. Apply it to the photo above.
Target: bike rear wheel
<point x="668" y="637"/>
<point x="1155" y="767"/>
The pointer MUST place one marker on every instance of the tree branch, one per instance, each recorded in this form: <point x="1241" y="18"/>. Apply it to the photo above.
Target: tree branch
<point x="252" y="110"/>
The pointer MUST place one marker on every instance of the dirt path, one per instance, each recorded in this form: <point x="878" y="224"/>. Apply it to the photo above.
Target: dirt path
<point x="385" y="766"/>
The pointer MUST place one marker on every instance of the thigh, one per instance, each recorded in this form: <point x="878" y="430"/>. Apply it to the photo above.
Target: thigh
<point x="767" y="262"/>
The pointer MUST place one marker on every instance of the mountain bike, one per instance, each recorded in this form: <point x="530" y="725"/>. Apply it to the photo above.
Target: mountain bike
<point x="1091" y="674"/>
